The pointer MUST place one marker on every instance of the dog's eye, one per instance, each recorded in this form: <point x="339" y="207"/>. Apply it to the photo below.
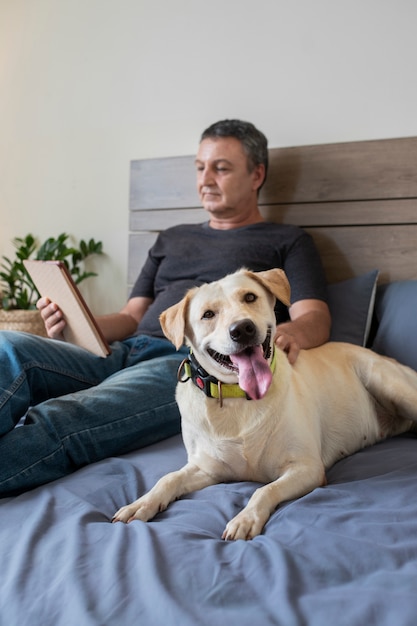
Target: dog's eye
<point x="207" y="315"/>
<point x="250" y="297"/>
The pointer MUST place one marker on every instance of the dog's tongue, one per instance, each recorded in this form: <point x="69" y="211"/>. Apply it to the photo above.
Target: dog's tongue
<point x="254" y="372"/>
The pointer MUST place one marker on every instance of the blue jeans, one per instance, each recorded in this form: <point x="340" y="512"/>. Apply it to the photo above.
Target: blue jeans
<point x="80" y="408"/>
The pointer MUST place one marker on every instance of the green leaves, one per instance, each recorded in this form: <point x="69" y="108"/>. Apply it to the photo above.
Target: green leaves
<point x="18" y="290"/>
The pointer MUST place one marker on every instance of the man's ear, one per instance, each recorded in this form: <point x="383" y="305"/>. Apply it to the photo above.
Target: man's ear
<point x="173" y="321"/>
<point x="258" y="176"/>
<point x="276" y="282"/>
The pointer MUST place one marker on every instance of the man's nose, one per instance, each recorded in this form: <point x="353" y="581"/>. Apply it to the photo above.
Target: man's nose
<point x="206" y="177"/>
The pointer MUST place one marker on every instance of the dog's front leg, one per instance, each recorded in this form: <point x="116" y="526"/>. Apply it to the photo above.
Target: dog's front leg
<point x="169" y="488"/>
<point x="295" y="482"/>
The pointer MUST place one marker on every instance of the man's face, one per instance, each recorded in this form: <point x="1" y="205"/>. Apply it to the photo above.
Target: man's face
<point x="226" y="186"/>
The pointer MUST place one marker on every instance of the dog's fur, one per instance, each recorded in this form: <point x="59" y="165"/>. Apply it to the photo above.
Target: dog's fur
<point x="335" y="400"/>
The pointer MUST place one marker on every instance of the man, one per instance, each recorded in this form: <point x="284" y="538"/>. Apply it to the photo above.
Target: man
<point x="80" y="408"/>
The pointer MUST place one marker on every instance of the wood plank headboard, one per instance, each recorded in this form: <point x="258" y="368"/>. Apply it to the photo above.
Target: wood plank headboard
<point x="358" y="200"/>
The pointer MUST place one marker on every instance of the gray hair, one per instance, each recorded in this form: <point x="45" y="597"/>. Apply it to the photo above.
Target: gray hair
<point x="253" y="141"/>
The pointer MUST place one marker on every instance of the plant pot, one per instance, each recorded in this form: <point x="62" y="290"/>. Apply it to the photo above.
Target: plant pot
<point x="26" y="321"/>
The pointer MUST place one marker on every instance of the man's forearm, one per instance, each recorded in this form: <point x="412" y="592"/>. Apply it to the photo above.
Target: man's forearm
<point x="117" y="326"/>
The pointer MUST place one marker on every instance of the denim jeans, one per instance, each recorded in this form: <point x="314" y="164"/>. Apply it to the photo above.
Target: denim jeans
<point x="80" y="408"/>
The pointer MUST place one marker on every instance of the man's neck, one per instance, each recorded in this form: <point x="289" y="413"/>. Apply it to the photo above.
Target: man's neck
<point x="236" y="221"/>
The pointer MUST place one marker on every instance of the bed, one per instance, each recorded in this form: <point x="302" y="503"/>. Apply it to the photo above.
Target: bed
<point x="344" y="554"/>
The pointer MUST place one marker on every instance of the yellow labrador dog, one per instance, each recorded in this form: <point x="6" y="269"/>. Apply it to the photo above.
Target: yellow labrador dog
<point x="247" y="414"/>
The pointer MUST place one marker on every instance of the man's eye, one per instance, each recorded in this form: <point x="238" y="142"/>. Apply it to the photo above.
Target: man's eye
<point x="250" y="297"/>
<point x="207" y="315"/>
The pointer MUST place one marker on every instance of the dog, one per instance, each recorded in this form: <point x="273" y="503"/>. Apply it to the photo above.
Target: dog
<point x="249" y="415"/>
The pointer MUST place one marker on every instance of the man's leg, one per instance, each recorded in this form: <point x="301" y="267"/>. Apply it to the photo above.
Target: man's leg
<point x="131" y="409"/>
<point x="34" y="369"/>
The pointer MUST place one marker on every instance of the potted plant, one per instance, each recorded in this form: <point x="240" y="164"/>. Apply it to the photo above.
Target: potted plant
<point x="18" y="293"/>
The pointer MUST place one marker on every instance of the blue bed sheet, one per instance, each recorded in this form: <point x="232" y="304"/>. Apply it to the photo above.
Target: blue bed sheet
<point x="345" y="554"/>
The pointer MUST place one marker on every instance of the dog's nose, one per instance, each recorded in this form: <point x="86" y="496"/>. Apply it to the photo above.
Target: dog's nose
<point x="242" y="331"/>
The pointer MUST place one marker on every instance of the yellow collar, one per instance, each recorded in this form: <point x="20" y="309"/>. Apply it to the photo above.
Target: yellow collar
<point x="212" y="387"/>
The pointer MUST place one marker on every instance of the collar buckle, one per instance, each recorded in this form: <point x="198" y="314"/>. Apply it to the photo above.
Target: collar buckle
<point x="193" y="370"/>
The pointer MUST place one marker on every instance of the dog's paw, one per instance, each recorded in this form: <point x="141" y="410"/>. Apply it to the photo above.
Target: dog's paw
<point x="246" y="525"/>
<point x="142" y="510"/>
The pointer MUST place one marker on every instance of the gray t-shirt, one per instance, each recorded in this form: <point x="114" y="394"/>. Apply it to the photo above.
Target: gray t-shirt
<point x="192" y="254"/>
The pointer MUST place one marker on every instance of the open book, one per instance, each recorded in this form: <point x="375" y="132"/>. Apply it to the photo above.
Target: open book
<point x="54" y="281"/>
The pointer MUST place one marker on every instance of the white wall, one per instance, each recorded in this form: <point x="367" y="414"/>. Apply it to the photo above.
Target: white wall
<point x="88" y="85"/>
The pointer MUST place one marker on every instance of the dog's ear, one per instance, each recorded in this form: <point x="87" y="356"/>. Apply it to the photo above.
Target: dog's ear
<point x="276" y="282"/>
<point x="173" y="322"/>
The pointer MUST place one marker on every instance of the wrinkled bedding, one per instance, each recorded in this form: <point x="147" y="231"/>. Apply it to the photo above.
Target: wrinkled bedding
<point x="345" y="554"/>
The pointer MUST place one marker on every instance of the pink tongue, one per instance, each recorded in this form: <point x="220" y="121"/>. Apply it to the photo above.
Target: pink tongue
<point x="254" y="372"/>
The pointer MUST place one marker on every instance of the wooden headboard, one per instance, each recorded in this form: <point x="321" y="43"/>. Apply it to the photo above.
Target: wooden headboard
<point x="358" y="200"/>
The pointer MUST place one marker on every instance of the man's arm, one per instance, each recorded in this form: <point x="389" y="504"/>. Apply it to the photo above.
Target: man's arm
<point x="118" y="326"/>
<point x="309" y="327"/>
<point x="115" y="326"/>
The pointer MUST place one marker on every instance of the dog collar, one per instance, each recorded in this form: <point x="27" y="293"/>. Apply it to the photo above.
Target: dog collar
<point x="190" y="368"/>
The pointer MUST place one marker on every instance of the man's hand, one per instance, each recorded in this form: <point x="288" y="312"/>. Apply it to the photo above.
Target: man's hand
<point x="309" y="327"/>
<point x="286" y="342"/>
<point x="52" y="318"/>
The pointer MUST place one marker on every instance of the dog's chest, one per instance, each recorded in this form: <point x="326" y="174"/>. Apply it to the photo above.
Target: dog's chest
<point x="227" y="442"/>
<point x="227" y="459"/>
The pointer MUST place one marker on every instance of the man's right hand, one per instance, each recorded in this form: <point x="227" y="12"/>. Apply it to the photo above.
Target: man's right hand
<point x="52" y="318"/>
